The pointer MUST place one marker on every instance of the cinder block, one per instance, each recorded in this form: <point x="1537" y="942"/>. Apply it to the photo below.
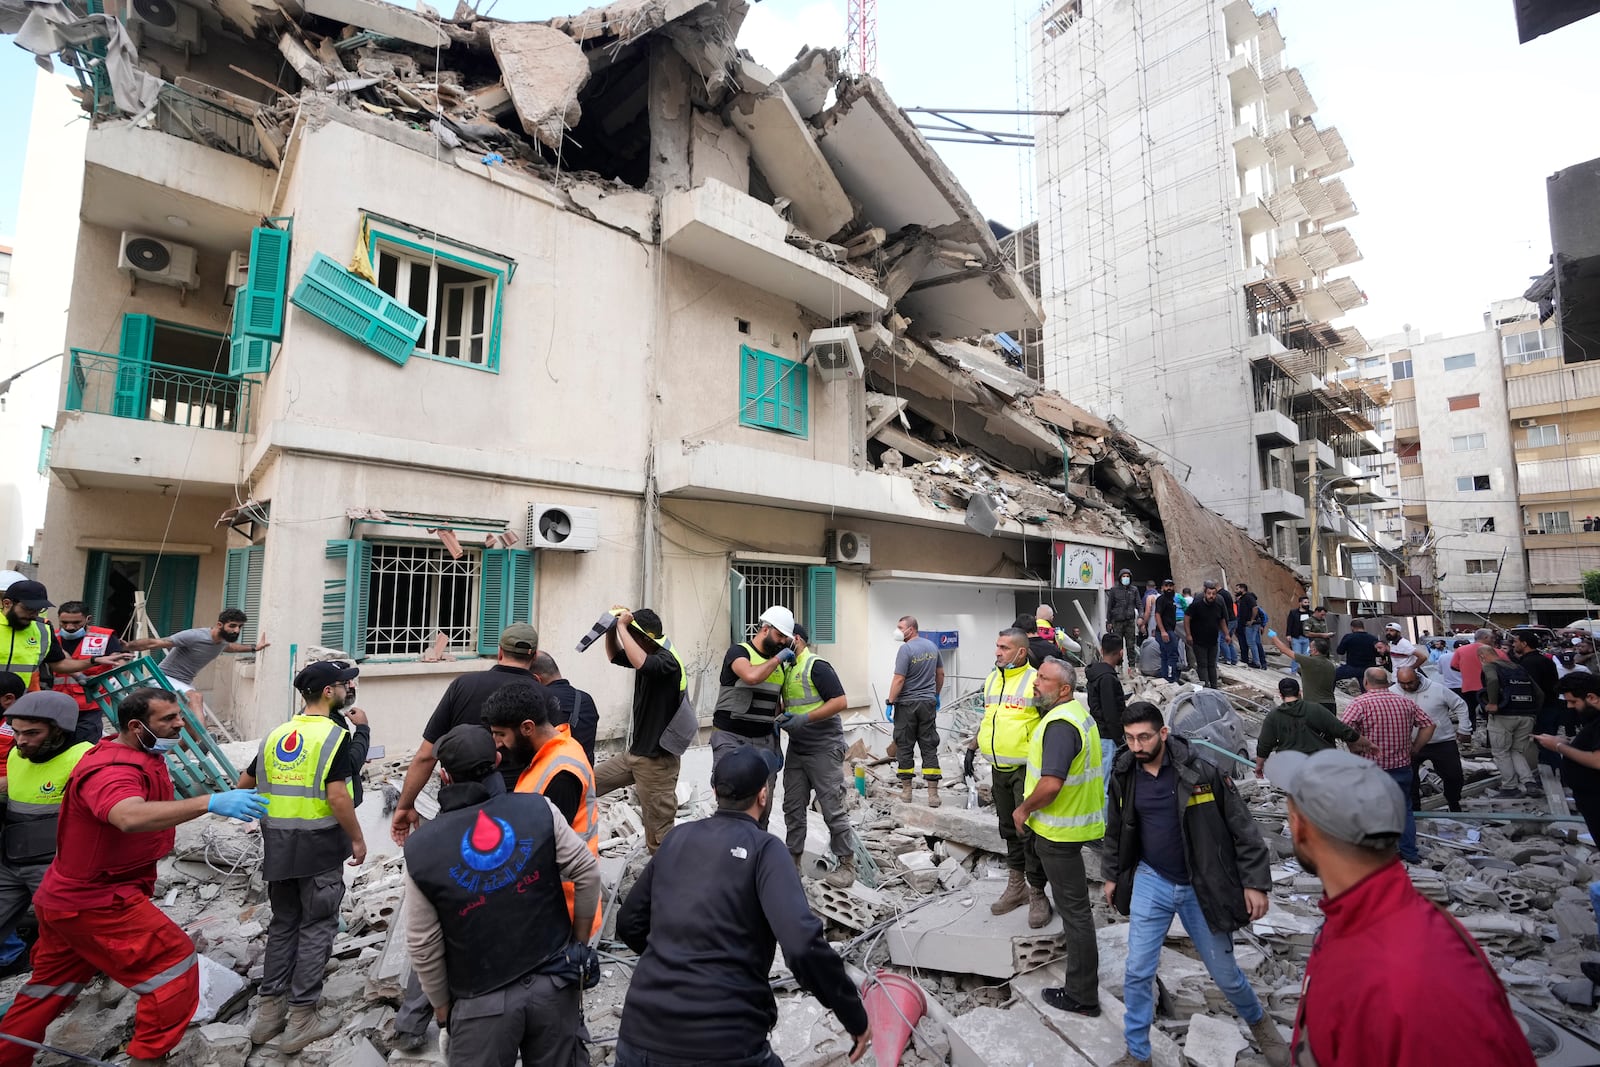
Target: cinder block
<point x="960" y="934"/>
<point x="1213" y="1042"/>
<point x="991" y="1037"/>
<point x="857" y="907"/>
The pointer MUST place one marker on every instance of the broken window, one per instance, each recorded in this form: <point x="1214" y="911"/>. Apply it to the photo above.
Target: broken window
<point x="1472" y="483"/>
<point x="456" y="288"/>
<point x="418" y="590"/>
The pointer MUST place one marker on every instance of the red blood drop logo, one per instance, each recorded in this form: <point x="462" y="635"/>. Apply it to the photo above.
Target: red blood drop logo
<point x="485" y="834"/>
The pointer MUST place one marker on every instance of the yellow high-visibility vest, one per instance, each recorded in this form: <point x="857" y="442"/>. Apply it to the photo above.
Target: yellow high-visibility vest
<point x="1009" y="716"/>
<point x="1078" y="812"/>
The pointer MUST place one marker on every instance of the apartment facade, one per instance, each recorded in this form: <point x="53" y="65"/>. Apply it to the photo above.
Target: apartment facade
<point x="1193" y="259"/>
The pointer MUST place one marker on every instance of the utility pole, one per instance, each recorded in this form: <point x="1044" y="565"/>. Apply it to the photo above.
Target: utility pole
<point x="1311" y="486"/>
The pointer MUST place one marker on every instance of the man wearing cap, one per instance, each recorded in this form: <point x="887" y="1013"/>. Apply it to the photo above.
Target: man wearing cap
<point x="1387" y="721"/>
<point x="93" y="906"/>
<point x="37" y="767"/>
<point x="913" y="702"/>
<point x="310" y="828"/>
<point x="660" y="688"/>
<point x="750" y="700"/>
<point x="462" y="703"/>
<point x="1161" y="620"/>
<point x="1402" y="651"/>
<point x="1392" y="978"/>
<point x="813" y="698"/>
<point x="26" y="642"/>
<point x="1451" y="722"/>
<point x="573" y="706"/>
<point x="501" y="959"/>
<point x="705" y="917"/>
<point x="1181" y="841"/>
<point x="1122" y="613"/>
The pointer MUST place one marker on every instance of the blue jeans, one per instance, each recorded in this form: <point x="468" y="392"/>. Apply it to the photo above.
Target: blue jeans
<point x="1227" y="650"/>
<point x="1109" y="749"/>
<point x="1169" y="655"/>
<point x="1155" y="901"/>
<point x="1302" y="645"/>
<point x="1250" y="638"/>
<point x="1408" y="839"/>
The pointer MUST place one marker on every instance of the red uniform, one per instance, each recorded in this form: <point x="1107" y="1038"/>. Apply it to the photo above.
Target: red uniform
<point x="95" y="914"/>
<point x="1394" y="980"/>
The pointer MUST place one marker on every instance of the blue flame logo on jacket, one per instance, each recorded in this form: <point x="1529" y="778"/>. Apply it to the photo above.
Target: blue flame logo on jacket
<point x="291" y="747"/>
<point x="492" y="856"/>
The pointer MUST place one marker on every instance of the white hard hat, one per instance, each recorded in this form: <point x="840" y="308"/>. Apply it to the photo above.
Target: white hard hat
<point x="780" y="619"/>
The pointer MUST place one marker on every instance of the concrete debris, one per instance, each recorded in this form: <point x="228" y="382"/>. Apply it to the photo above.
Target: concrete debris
<point x="543" y="70"/>
<point x="958" y="933"/>
<point x="989" y="1037"/>
<point x="1213" y="1042"/>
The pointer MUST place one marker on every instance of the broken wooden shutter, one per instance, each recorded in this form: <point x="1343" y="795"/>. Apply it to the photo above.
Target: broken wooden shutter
<point x="246" y="354"/>
<point x="132" y="398"/>
<point x="822" y="584"/>
<point x="736" y="622"/>
<point x="492" y="600"/>
<point x="344" y="599"/>
<point x="263" y="292"/>
<point x="241" y="587"/>
<point x="358" y="310"/>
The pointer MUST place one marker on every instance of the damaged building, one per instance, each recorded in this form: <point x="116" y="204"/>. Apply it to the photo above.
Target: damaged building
<point x="393" y="329"/>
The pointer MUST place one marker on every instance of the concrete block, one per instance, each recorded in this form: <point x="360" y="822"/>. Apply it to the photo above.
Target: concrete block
<point x="1174" y="968"/>
<point x="991" y="1037"/>
<point x="920" y="870"/>
<point x="625" y="209"/>
<point x="953" y="876"/>
<point x="1098" y="1040"/>
<point x="543" y="69"/>
<point x="387" y="19"/>
<point x="1213" y="1042"/>
<point x="782" y="145"/>
<point x="960" y="934"/>
<point x="361" y="1054"/>
<point x="977" y="827"/>
<point x="808" y="1035"/>
<point x="857" y="907"/>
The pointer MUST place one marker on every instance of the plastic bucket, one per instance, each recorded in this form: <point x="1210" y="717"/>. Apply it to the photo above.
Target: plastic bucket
<point x="894" y="1005"/>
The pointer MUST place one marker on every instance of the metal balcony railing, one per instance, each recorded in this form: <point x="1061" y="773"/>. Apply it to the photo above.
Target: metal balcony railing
<point x="156" y="392"/>
<point x="194" y="118"/>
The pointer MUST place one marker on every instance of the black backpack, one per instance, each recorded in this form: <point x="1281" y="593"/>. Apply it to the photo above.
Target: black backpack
<point x="1518" y="693"/>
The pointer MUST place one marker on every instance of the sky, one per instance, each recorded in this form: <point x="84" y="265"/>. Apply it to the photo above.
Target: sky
<point x="1453" y="126"/>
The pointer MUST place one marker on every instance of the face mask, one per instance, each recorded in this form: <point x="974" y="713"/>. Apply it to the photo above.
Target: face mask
<point x="157" y="745"/>
<point x="73" y="635"/>
<point x="899" y="635"/>
<point x="49" y="750"/>
<point x="1125" y="580"/>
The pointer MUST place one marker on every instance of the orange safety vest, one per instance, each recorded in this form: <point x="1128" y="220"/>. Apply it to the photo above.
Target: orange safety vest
<point x="96" y="642"/>
<point x="562" y="753"/>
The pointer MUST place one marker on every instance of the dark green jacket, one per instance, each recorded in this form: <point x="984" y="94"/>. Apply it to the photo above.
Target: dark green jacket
<point x="1301" y="726"/>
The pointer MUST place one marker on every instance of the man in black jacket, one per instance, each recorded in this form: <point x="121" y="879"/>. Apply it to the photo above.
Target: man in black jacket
<point x="705" y="916"/>
<point x="576" y="707"/>
<point x="1179" y="840"/>
<point x="1107" y="700"/>
<point x="1122" y="612"/>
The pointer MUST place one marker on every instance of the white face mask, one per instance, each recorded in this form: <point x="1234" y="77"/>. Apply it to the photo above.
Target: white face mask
<point x="1126" y="579"/>
<point x="899" y="634"/>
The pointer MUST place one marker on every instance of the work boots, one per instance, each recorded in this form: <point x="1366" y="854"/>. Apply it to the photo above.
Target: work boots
<point x="1038" y="908"/>
<point x="1014" y="897"/>
<point x="844" y="875"/>
<point x="933" y="793"/>
<point x="1273" y="1047"/>
<point x="272" y="1015"/>
<point x="908" y="789"/>
<point x="305" y="1026"/>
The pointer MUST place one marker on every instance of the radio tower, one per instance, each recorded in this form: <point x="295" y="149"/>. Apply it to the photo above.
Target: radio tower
<point x="861" y="48"/>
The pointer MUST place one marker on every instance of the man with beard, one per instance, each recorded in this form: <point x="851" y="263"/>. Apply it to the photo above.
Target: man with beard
<point x="1181" y="841"/>
<point x="192" y="651"/>
<point x="26" y="643"/>
<point x="750" y="702"/>
<point x="1392" y="978"/>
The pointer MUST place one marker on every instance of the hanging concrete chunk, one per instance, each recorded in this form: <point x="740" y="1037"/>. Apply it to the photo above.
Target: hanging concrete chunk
<point x="809" y="79"/>
<point x="783" y="148"/>
<point x="543" y="69"/>
<point x="388" y="19"/>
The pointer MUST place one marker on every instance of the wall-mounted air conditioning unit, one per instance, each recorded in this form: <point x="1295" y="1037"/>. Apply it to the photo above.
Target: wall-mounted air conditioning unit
<point x="836" y="353"/>
<point x="158" y="260"/>
<point x="563" y="529"/>
<point x="238" y="269"/>
<point x="1527" y="423"/>
<point x="848" y="546"/>
<point x="166" y="22"/>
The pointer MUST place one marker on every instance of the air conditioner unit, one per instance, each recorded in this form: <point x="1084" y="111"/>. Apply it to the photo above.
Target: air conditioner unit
<point x="836" y="353"/>
<point x="563" y="529"/>
<point x="1527" y="423"/>
<point x="166" y="22"/>
<point x="848" y="546"/>
<point x="157" y="260"/>
<point x="238" y="269"/>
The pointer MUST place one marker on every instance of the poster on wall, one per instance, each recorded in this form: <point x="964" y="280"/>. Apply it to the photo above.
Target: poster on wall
<point x="1079" y="566"/>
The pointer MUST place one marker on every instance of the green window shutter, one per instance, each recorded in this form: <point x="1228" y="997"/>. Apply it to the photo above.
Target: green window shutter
<point x="132" y="397"/>
<point x="521" y="564"/>
<point x="262" y="295"/>
<point x="358" y="310"/>
<point x="493" y="599"/>
<point x="822" y="585"/>
<point x="774" y="393"/>
<point x="46" y="435"/>
<point x="241" y="587"/>
<point x="169" y="600"/>
<point x="246" y="354"/>
<point x="344" y="599"/>
<point x="95" y="577"/>
<point x="736" y="621"/>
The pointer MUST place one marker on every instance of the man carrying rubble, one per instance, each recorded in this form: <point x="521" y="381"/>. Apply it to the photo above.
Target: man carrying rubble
<point x="750" y="700"/>
<point x="1452" y="722"/>
<point x="1064" y="807"/>
<point x="309" y="829"/>
<point x="500" y="957"/>
<point x="660" y="682"/>
<point x="1299" y="725"/>
<point x="1387" y="722"/>
<point x="93" y="906"/>
<point x="1181" y="841"/>
<point x="1010" y="715"/>
<point x="40" y="760"/>
<point x="813" y="698"/>
<point x="914" y="699"/>
<point x="1393" y="978"/>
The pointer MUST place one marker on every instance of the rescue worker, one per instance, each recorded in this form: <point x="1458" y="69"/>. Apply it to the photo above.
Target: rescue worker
<point x="81" y="640"/>
<point x="93" y="906"/>
<point x="522" y="722"/>
<point x="1064" y="807"/>
<point x="915" y="691"/>
<point x="11" y="690"/>
<point x="1010" y="716"/>
<point x="487" y="928"/>
<point x="354" y="722"/>
<point x="36" y="774"/>
<point x="750" y="702"/>
<point x="660" y="689"/>
<point x="309" y="829"/>
<point x="26" y="641"/>
<point x="191" y="651"/>
<point x="813" y="697"/>
<point x="1123" y="605"/>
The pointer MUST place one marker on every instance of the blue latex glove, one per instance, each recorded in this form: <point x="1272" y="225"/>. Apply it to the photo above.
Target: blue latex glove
<point x="786" y="656"/>
<point x="888" y="712"/>
<point x="1272" y="633"/>
<point x="246" y="805"/>
<point x="938" y="701"/>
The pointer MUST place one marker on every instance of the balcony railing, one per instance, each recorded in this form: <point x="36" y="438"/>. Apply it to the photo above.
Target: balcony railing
<point x="1579" y="381"/>
<point x="197" y="119"/>
<point x="155" y="392"/>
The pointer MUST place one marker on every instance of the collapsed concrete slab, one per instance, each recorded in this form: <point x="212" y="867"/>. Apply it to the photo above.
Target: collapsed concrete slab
<point x="810" y="78"/>
<point x="782" y="145"/>
<point x="1099" y="1040"/>
<point x="976" y="827"/>
<point x="992" y="1037"/>
<point x="960" y="934"/>
<point x="543" y="69"/>
<point x="385" y="19"/>
<point x="1213" y="1041"/>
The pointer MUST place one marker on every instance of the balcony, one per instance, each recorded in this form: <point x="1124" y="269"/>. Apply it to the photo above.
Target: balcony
<point x="130" y="421"/>
<point x="1558" y="476"/>
<point x="1333" y="298"/>
<point x="1240" y="19"/>
<point x="1249" y="150"/>
<point x="1324" y="453"/>
<point x="1405" y="419"/>
<point x="1280" y="505"/>
<point x="1244" y="81"/>
<point x="1274" y="429"/>
<point x="1545" y="392"/>
<point x="1255" y="215"/>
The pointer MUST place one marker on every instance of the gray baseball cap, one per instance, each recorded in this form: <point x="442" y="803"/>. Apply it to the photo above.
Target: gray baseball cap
<point x="1347" y="797"/>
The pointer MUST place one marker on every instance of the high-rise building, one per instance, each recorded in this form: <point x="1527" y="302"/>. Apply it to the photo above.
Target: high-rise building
<point x="1192" y="255"/>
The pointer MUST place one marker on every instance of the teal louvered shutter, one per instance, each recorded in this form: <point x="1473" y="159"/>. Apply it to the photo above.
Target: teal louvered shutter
<point x="359" y="310"/>
<point x="493" y="599"/>
<point x="246" y="354"/>
<point x="171" y="582"/>
<point x="95" y="577"/>
<point x="263" y="292"/>
<point x="822" y="617"/>
<point x="520" y="569"/>
<point x="736" y="620"/>
<point x="345" y="598"/>
<point x="241" y="587"/>
<point x="132" y="398"/>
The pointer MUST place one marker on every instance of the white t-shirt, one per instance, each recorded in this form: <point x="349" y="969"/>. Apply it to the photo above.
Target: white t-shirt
<point x="1402" y="652"/>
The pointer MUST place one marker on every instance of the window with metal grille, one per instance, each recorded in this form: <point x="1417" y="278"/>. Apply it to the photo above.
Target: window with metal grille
<point x="419" y="590"/>
<point x="765" y="585"/>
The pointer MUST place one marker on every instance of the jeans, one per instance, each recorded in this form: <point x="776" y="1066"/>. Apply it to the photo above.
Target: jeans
<point x="1302" y="645"/>
<point x="1169" y="656"/>
<point x="1408" y="838"/>
<point x="1155" y="901"/>
<point x="1108" y="749"/>
<point x="1250" y="637"/>
<point x="1594" y="902"/>
<point x="1227" y="650"/>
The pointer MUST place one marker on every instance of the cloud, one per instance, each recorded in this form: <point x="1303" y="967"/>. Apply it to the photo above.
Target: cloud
<point x="774" y="35"/>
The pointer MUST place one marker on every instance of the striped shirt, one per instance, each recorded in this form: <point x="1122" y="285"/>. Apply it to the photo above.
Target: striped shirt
<point x="1387" y="721"/>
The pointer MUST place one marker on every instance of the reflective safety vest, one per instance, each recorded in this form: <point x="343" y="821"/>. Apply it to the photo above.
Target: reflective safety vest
<point x="799" y="695"/>
<point x="683" y="671"/>
<point x="759" y="703"/>
<point x="1009" y="716"/>
<point x="293" y="763"/>
<point x="97" y="642"/>
<point x="34" y="802"/>
<point x="563" y="754"/>
<point x="22" y="651"/>
<point x="1078" y="812"/>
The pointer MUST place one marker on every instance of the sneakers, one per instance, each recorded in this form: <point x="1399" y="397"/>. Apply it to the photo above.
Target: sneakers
<point x="306" y="1025"/>
<point x="1057" y="998"/>
<point x="1015" y="895"/>
<point x="933" y="793"/>
<point x="272" y="1015"/>
<point x="1039" y="911"/>
<point x="409" y="1042"/>
<point x="1533" y="788"/>
<point x="1509" y="791"/>
<point x="844" y="875"/>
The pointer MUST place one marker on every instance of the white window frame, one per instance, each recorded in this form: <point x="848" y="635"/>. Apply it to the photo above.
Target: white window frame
<point x="1471" y="486"/>
<point x="1395" y="370"/>
<point x="473" y="295"/>
<point x="1483" y="566"/>
<point x="1554" y="522"/>
<point x="1465" y="442"/>
<point x="1452" y="363"/>
<point x="1548" y="341"/>
<point x="1478" y="524"/>
<point x="1549" y="429"/>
